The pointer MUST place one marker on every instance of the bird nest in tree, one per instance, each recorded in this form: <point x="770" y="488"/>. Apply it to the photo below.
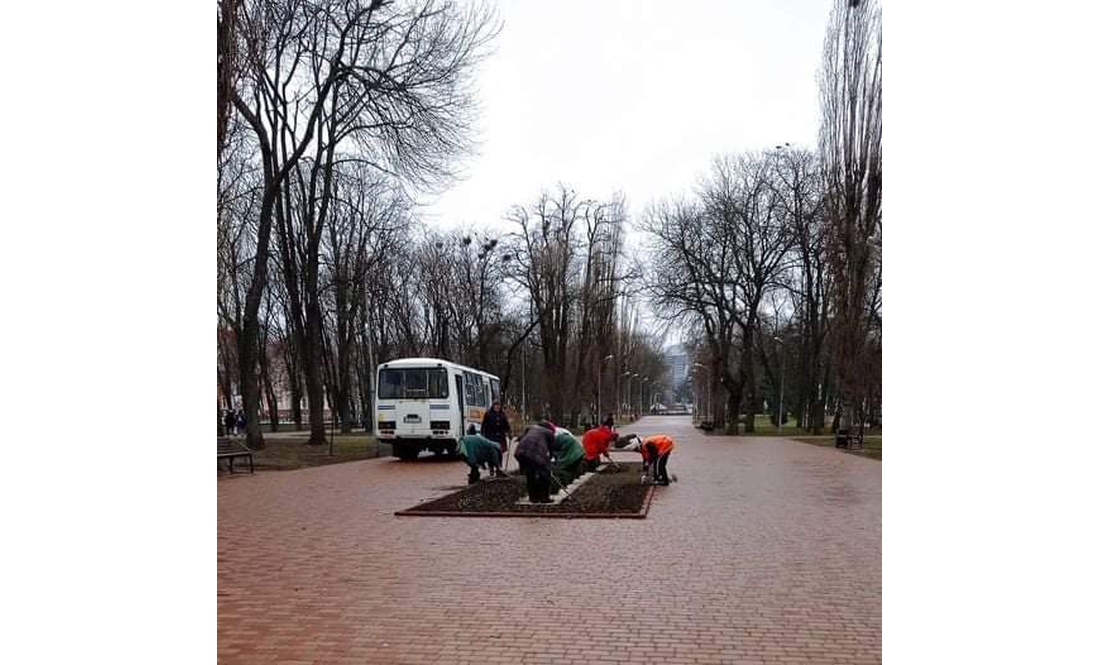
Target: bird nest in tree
<point x="612" y="492"/>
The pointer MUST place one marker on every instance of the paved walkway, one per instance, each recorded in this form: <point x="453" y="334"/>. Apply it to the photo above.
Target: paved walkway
<point x="766" y="551"/>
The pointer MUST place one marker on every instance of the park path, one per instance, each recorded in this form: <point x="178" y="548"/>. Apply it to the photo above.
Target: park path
<point x="767" y="550"/>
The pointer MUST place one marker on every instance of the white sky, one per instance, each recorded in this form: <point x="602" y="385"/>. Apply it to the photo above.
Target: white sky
<point x="635" y="96"/>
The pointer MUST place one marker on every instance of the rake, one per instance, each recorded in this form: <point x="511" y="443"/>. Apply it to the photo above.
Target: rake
<point x="562" y="487"/>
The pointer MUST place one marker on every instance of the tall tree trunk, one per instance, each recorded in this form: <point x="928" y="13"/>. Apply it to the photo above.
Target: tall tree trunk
<point x="294" y="378"/>
<point x="269" y="393"/>
<point x="748" y="376"/>
<point x="313" y="367"/>
<point x="248" y="342"/>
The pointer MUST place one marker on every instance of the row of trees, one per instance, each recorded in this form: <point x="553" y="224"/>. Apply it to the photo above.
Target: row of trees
<point x="335" y="114"/>
<point x="328" y="111"/>
<point x="545" y="305"/>
<point x="776" y="259"/>
<point x="332" y="116"/>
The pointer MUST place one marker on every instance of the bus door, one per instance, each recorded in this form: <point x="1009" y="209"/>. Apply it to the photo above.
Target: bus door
<point x="461" y="404"/>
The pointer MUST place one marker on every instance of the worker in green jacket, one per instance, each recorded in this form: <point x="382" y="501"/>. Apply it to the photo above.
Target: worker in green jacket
<point x="479" y="453"/>
<point x="568" y="454"/>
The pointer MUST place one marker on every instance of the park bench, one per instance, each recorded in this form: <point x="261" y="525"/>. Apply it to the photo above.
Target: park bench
<point x="231" y="450"/>
<point x="846" y="439"/>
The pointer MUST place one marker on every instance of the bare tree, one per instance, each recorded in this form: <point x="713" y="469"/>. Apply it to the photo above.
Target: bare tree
<point x="599" y="288"/>
<point x="741" y="198"/>
<point x="545" y="247"/>
<point x="391" y="82"/>
<point x="851" y="154"/>
<point x="801" y="200"/>
<point x="227" y="65"/>
<point x="698" y="285"/>
<point x="239" y="189"/>
<point x="723" y="254"/>
<point x="366" y="215"/>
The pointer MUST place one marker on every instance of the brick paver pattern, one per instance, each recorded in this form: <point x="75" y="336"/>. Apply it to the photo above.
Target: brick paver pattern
<point x="766" y="551"/>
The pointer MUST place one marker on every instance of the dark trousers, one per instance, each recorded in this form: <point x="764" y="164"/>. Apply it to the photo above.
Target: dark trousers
<point x="500" y="441"/>
<point x="659" y="462"/>
<point x="538" y="482"/>
<point x="660" y="473"/>
<point x="592" y="464"/>
<point x="474" y="476"/>
<point x="568" y="474"/>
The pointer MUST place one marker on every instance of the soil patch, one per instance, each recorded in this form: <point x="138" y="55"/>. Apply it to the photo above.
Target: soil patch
<point x="612" y="492"/>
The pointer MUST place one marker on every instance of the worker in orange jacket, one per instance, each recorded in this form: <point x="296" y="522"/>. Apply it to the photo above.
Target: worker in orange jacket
<point x="596" y="442"/>
<point x="655" y="451"/>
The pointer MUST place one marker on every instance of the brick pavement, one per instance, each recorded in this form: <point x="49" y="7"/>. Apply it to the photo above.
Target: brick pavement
<point x="766" y="551"/>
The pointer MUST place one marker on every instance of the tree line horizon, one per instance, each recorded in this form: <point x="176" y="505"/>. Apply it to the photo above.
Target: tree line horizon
<point x="335" y="116"/>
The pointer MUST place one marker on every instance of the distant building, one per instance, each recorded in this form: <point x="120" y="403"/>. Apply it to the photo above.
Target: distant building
<point x="678" y="363"/>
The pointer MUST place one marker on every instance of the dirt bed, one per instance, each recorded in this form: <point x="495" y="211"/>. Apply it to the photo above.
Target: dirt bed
<point x="611" y="493"/>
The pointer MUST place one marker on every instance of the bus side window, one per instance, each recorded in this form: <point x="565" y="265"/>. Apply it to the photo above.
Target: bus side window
<point x="481" y="392"/>
<point x="471" y="391"/>
<point x="494" y="386"/>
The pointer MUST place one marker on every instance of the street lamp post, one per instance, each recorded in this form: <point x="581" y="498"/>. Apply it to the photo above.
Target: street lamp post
<point x="599" y="387"/>
<point x="627" y="376"/>
<point x="706" y="369"/>
<point x="694" y="397"/>
<point x="782" y="375"/>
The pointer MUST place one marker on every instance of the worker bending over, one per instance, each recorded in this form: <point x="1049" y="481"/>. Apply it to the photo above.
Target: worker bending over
<point x="596" y="442"/>
<point x="533" y="454"/>
<point x="568" y="455"/>
<point x="655" y="451"/>
<point x="480" y="452"/>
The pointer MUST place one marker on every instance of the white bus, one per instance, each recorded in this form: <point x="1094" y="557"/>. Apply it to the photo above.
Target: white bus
<point x="427" y="403"/>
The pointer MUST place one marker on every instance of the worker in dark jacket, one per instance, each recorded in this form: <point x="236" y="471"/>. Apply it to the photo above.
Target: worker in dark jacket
<point x="495" y="427"/>
<point x="533" y="455"/>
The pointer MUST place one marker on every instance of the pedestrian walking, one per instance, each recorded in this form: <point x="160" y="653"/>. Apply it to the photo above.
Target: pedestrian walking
<point x="240" y="422"/>
<point x="230" y="422"/>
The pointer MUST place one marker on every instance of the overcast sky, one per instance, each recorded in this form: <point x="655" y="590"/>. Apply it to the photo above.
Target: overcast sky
<point x="635" y="96"/>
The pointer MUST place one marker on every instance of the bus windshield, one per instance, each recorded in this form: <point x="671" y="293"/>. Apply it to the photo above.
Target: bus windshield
<point x="412" y="383"/>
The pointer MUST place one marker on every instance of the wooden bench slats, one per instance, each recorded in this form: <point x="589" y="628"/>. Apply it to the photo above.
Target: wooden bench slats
<point x="231" y="450"/>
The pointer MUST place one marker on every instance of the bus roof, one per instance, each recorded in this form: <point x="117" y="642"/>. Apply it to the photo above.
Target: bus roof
<point x="433" y="362"/>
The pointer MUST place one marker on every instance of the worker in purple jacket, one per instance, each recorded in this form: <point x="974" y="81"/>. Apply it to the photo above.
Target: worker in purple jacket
<point x="533" y="455"/>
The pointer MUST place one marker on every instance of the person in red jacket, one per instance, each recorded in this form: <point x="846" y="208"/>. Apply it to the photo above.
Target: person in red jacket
<point x="596" y="441"/>
<point x="655" y="451"/>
